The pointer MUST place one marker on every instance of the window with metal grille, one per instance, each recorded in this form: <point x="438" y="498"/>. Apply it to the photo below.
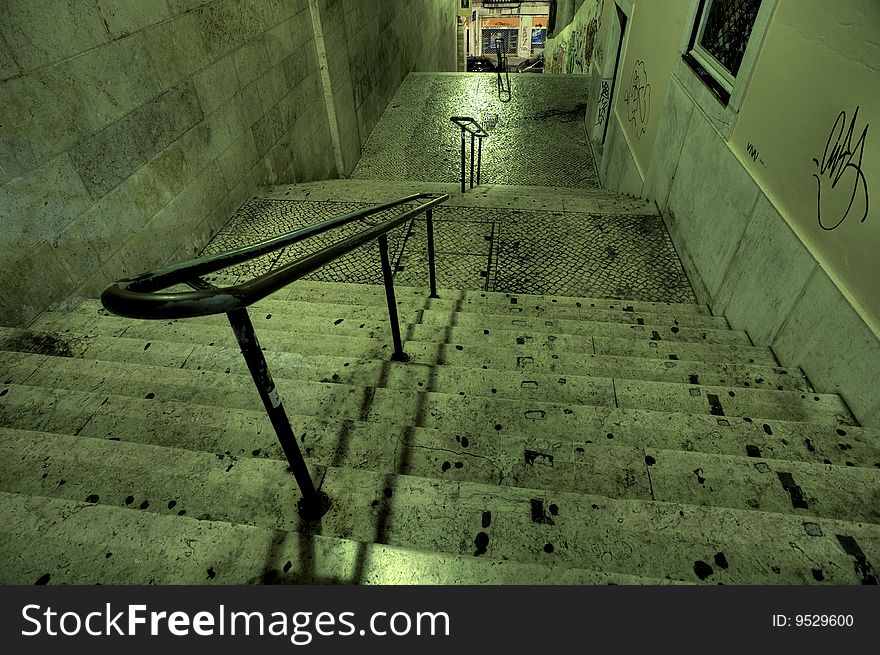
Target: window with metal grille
<point x="719" y="40"/>
<point x="510" y="37"/>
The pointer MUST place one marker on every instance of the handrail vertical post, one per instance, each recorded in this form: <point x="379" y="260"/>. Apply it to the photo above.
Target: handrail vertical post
<point x="479" y="158"/>
<point x="432" y="271"/>
<point x="398" y="355"/>
<point x="313" y="504"/>
<point x="462" y="158"/>
<point x="472" y="159"/>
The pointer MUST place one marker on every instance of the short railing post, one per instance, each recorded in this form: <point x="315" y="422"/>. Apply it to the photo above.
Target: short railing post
<point x="462" y="158"/>
<point x="432" y="271"/>
<point x="398" y="355"/>
<point x="313" y="504"/>
<point x="472" y="159"/>
<point x="479" y="158"/>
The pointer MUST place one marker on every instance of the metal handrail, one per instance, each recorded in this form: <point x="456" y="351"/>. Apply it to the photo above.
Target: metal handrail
<point x="470" y="126"/>
<point x="504" y="94"/>
<point x="139" y="297"/>
<point x="136" y="298"/>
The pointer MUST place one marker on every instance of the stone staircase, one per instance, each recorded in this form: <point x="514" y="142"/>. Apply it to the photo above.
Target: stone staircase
<point x="530" y="439"/>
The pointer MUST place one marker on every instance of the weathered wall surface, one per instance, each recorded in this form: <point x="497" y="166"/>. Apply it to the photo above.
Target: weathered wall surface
<point x="130" y="130"/>
<point x="809" y="133"/>
<point x="746" y="260"/>
<point x="563" y="13"/>
<point x="572" y="47"/>
<point x="645" y="68"/>
<point x="741" y="192"/>
<point x="370" y="47"/>
<point x="745" y="247"/>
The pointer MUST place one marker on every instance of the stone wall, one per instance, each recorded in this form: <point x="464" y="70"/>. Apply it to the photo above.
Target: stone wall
<point x="740" y="199"/>
<point x="370" y="47"/>
<point x="745" y="260"/>
<point x="573" y="46"/>
<point x="564" y="12"/>
<point x="130" y="130"/>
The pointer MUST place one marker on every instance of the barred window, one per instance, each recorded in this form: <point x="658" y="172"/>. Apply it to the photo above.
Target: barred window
<point x="719" y="40"/>
<point x="727" y="29"/>
<point x="510" y="38"/>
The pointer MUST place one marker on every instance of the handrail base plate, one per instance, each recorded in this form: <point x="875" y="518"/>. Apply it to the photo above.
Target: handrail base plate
<point x="312" y="509"/>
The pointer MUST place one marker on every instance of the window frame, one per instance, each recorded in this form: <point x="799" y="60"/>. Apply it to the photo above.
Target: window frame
<point x="728" y="89"/>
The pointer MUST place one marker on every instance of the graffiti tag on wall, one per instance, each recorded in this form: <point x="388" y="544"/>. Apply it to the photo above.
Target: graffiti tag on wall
<point x="840" y="174"/>
<point x="753" y="151"/>
<point x="556" y="63"/>
<point x="604" y="99"/>
<point x="597" y="52"/>
<point x="638" y="98"/>
<point x="580" y="47"/>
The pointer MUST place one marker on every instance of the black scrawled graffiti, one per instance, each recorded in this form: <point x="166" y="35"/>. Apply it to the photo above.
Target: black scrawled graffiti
<point x="841" y="165"/>
<point x="604" y="98"/>
<point x="753" y="152"/>
<point x="638" y="98"/>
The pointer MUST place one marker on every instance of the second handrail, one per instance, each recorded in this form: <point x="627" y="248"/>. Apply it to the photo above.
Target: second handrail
<point x="470" y="126"/>
<point x="504" y="93"/>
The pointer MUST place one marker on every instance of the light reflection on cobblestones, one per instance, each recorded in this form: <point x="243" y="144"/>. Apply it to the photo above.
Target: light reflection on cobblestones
<point x="602" y="255"/>
<point x="537" y="139"/>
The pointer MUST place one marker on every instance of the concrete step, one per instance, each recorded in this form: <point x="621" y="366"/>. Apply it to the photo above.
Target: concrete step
<point x="644" y="538"/>
<point x="523" y="303"/>
<point x="467" y="300"/>
<point x="415" y="298"/>
<point x="353" y="443"/>
<point x="343" y="293"/>
<point x="606" y="469"/>
<point x="614" y="366"/>
<point x="342" y="369"/>
<point x="649" y="345"/>
<point x="824" y="441"/>
<point x="376" y="343"/>
<point x="586" y="423"/>
<point x="602" y="468"/>
<point x="572" y="335"/>
<point x="370" y="301"/>
<point x="78" y="329"/>
<point x="526" y="197"/>
<point x="337" y="401"/>
<point x="345" y="390"/>
<point x="305" y="316"/>
<point x="323" y="318"/>
<point x="766" y="484"/>
<point x="339" y="368"/>
<point x="86" y="543"/>
<point x="117" y="326"/>
<point x="699" y="328"/>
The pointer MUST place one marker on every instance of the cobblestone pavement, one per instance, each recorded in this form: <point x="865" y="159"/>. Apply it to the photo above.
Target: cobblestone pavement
<point x="520" y="240"/>
<point x="538" y="138"/>
<point x="522" y="251"/>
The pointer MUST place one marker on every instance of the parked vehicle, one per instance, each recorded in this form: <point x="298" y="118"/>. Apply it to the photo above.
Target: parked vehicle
<point x="535" y="65"/>
<point x="481" y="65"/>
